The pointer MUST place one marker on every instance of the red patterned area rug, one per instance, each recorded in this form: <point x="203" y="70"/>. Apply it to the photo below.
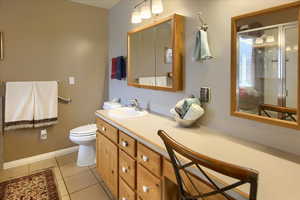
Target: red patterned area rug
<point x="39" y="186"/>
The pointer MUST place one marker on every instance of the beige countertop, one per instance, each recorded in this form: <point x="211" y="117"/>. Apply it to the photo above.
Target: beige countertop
<point x="279" y="178"/>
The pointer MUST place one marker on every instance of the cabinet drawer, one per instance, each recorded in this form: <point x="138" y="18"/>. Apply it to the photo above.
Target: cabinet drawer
<point x="149" y="159"/>
<point x="125" y="192"/>
<point x="149" y="186"/>
<point x="128" y="144"/>
<point x="107" y="130"/>
<point x="127" y="169"/>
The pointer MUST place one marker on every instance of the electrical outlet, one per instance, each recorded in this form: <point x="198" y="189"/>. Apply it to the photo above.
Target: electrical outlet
<point x="205" y="95"/>
<point x="43" y="135"/>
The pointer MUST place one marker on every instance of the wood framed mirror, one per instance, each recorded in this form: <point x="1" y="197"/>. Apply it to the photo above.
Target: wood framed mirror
<point x="265" y="69"/>
<point x="155" y="55"/>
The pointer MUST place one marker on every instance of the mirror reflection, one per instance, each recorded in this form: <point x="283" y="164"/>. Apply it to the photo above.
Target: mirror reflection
<point x="267" y="70"/>
<point x="152" y="56"/>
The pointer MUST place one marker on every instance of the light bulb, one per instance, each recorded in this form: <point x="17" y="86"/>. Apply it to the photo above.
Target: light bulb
<point x="259" y="41"/>
<point x="136" y="17"/>
<point x="295" y="48"/>
<point x="288" y="48"/>
<point x="157" y="6"/>
<point x="146" y="10"/>
<point x="270" y="39"/>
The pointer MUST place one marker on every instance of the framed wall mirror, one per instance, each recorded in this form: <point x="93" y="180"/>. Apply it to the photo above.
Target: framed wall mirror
<point x="155" y="55"/>
<point x="265" y="66"/>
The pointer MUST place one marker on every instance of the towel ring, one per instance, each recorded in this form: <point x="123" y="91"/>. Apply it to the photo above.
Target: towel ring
<point x="203" y="24"/>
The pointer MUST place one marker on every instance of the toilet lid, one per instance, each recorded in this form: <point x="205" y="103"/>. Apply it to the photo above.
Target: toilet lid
<point x="84" y="130"/>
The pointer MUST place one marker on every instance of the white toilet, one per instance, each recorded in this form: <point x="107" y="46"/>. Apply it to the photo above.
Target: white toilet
<point x="85" y="137"/>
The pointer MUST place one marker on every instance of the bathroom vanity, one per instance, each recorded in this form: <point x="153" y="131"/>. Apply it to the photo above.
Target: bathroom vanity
<point x="134" y="164"/>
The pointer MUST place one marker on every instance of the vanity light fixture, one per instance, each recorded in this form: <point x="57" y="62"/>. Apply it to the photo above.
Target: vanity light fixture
<point x="156" y="6"/>
<point x="146" y="10"/>
<point x="136" y="17"/>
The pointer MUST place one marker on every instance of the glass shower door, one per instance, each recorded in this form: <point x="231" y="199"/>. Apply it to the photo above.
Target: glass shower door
<point x="291" y="64"/>
<point x="258" y="69"/>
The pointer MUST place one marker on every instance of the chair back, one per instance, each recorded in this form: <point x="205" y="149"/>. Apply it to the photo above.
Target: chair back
<point x="241" y="174"/>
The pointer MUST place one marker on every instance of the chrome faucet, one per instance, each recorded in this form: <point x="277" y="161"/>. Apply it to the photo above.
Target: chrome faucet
<point x="135" y="103"/>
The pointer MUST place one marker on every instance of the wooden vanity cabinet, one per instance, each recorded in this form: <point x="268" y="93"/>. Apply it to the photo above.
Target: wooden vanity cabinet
<point x="133" y="171"/>
<point x="129" y="169"/>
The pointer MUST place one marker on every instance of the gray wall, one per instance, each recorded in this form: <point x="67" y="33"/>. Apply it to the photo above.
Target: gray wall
<point x="214" y="73"/>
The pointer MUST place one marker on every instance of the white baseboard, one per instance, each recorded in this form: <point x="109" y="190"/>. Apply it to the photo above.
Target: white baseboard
<point x="45" y="156"/>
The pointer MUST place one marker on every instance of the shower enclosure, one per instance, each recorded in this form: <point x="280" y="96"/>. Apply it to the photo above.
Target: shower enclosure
<point x="267" y="62"/>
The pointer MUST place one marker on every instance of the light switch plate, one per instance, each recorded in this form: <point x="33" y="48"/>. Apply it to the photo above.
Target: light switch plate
<point x="72" y="80"/>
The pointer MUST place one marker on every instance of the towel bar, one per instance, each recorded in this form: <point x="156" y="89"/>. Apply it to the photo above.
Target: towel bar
<point x="1" y="46"/>
<point x="61" y="99"/>
<point x="65" y="100"/>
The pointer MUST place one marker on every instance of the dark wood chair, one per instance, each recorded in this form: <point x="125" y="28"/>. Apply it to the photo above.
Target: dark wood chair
<point x="242" y="175"/>
<point x="285" y="113"/>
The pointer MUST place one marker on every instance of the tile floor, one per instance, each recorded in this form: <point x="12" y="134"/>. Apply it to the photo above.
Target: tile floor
<point x="73" y="183"/>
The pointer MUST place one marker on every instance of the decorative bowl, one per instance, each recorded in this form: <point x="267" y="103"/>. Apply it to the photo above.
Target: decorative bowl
<point x="185" y="123"/>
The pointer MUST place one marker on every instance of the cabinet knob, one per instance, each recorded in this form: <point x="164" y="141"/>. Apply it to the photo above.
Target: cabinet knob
<point x="145" y="158"/>
<point x="124" y="144"/>
<point x="146" y="189"/>
<point x="124" y="170"/>
<point x="103" y="128"/>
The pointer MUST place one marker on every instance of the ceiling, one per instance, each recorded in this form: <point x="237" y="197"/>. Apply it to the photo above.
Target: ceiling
<point x="98" y="3"/>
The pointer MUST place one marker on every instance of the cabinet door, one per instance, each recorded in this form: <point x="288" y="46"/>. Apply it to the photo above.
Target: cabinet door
<point x="99" y="154"/>
<point x="109" y="164"/>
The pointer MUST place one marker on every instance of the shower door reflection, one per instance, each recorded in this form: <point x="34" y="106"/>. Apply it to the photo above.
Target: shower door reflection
<point x="267" y="71"/>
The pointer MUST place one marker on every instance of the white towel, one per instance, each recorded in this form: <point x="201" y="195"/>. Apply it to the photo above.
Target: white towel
<point x="19" y="105"/>
<point x="45" y="106"/>
<point x="161" y="81"/>
<point x="147" y="80"/>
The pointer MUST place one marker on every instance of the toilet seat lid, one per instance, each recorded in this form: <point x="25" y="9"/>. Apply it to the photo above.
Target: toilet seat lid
<point x="84" y="130"/>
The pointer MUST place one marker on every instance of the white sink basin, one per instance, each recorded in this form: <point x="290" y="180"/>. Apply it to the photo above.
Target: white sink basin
<point x="126" y="112"/>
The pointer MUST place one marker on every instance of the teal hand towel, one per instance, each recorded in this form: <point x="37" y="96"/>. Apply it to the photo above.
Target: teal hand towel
<point x="184" y="105"/>
<point x="202" y="49"/>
